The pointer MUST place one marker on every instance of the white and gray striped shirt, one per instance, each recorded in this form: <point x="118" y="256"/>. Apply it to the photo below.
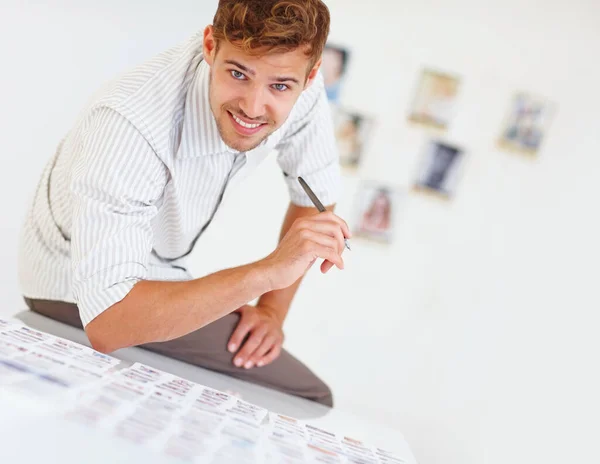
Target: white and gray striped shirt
<point x="138" y="178"/>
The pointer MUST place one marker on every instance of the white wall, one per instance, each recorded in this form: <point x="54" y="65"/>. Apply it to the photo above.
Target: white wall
<point x="474" y="334"/>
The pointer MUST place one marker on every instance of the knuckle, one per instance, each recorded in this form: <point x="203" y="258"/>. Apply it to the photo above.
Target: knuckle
<point x="262" y="332"/>
<point x="239" y="333"/>
<point x="243" y="328"/>
<point x="261" y="353"/>
<point x="248" y="351"/>
<point x="304" y="234"/>
<point x="306" y="247"/>
<point x="252" y="343"/>
<point x="301" y="222"/>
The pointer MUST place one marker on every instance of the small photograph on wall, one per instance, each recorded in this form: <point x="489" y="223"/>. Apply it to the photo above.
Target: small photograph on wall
<point x="334" y="67"/>
<point x="375" y="208"/>
<point x="440" y="169"/>
<point x="434" y="103"/>
<point x="352" y="131"/>
<point x="526" y="124"/>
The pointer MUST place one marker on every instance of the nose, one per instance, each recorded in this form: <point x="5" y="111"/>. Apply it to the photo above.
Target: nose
<point x="252" y="103"/>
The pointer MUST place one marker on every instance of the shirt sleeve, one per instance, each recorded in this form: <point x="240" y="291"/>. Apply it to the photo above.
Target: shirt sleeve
<point x="309" y="148"/>
<point x="115" y="184"/>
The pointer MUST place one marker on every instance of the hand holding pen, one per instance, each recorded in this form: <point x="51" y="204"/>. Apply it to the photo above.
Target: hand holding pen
<point x="317" y="203"/>
<point x="309" y="238"/>
<point x="313" y="197"/>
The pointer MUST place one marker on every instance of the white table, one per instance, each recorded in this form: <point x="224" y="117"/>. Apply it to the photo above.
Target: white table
<point x="28" y="433"/>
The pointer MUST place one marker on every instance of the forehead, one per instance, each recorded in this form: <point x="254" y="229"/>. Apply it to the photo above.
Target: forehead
<point x="267" y="63"/>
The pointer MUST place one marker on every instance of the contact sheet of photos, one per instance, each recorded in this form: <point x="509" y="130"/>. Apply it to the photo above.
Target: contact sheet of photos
<point x="441" y="161"/>
<point x="159" y="411"/>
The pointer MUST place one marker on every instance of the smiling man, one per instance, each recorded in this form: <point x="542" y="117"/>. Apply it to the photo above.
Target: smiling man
<point x="140" y="176"/>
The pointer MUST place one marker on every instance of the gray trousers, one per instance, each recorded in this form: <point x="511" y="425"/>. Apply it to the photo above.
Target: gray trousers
<point x="207" y="348"/>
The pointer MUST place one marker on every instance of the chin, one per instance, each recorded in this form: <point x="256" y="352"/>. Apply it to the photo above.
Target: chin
<point x="240" y="143"/>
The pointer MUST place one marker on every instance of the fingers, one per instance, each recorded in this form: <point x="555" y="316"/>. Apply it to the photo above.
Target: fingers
<point x="329" y="216"/>
<point x="329" y="254"/>
<point x="271" y="355"/>
<point x="326" y="266"/>
<point x="267" y="344"/>
<point x="253" y="342"/>
<point x="321" y="239"/>
<point x="330" y="228"/>
<point x="245" y="325"/>
<point x="321" y="246"/>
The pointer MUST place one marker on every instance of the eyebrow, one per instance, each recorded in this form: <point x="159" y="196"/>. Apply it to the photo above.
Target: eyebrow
<point x="253" y="73"/>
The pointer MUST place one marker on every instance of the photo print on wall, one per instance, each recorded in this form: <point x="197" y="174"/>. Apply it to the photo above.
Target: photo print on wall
<point x="440" y="169"/>
<point x="334" y="67"/>
<point x="435" y="99"/>
<point x="375" y="214"/>
<point x="526" y="124"/>
<point x="352" y="132"/>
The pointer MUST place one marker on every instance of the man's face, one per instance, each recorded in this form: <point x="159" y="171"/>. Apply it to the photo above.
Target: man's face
<point x="252" y="96"/>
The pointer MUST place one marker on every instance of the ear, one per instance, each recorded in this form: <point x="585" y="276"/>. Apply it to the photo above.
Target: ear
<point x="209" y="47"/>
<point x="312" y="74"/>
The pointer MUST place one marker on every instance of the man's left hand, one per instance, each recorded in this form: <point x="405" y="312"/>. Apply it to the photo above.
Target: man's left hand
<point x="265" y="337"/>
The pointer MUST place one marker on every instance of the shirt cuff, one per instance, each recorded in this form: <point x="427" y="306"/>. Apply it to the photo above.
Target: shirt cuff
<point x="106" y="288"/>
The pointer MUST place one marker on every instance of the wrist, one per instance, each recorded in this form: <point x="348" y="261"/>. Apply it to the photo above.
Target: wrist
<point x="262" y="272"/>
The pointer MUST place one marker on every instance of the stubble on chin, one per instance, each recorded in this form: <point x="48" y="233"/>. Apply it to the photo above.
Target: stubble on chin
<point x="236" y="141"/>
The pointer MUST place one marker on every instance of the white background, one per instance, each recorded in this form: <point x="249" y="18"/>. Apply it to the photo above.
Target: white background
<point x="474" y="334"/>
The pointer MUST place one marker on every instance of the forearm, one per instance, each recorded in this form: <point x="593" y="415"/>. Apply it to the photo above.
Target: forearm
<point x="279" y="301"/>
<point x="156" y="311"/>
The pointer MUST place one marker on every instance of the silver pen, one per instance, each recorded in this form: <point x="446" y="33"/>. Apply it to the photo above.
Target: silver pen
<point x="317" y="202"/>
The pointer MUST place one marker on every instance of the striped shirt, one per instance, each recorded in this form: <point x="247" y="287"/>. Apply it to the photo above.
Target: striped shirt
<point x="140" y="175"/>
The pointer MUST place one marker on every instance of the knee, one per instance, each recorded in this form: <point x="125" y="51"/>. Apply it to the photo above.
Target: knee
<point x="291" y="376"/>
<point x="316" y="390"/>
<point x="323" y="395"/>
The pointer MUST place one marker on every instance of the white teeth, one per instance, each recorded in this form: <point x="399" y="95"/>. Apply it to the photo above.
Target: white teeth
<point x="243" y="124"/>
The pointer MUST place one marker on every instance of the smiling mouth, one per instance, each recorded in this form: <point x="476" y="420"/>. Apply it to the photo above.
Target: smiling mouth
<point x="243" y="127"/>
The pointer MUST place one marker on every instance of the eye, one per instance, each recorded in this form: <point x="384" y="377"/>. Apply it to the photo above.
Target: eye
<point x="280" y="87"/>
<point x="237" y="74"/>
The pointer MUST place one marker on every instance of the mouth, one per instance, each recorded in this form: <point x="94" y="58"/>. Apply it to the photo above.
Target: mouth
<point x="244" y="127"/>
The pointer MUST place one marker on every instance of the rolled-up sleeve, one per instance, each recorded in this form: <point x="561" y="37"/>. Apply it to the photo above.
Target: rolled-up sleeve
<point x="309" y="149"/>
<point x="115" y="184"/>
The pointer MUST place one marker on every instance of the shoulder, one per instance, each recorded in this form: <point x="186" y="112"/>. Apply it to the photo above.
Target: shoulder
<point x="310" y="101"/>
<point x="160" y="74"/>
<point x="151" y="96"/>
<point x="310" y="114"/>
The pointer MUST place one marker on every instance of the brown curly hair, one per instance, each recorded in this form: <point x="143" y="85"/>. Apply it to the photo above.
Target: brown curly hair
<point x="274" y="25"/>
